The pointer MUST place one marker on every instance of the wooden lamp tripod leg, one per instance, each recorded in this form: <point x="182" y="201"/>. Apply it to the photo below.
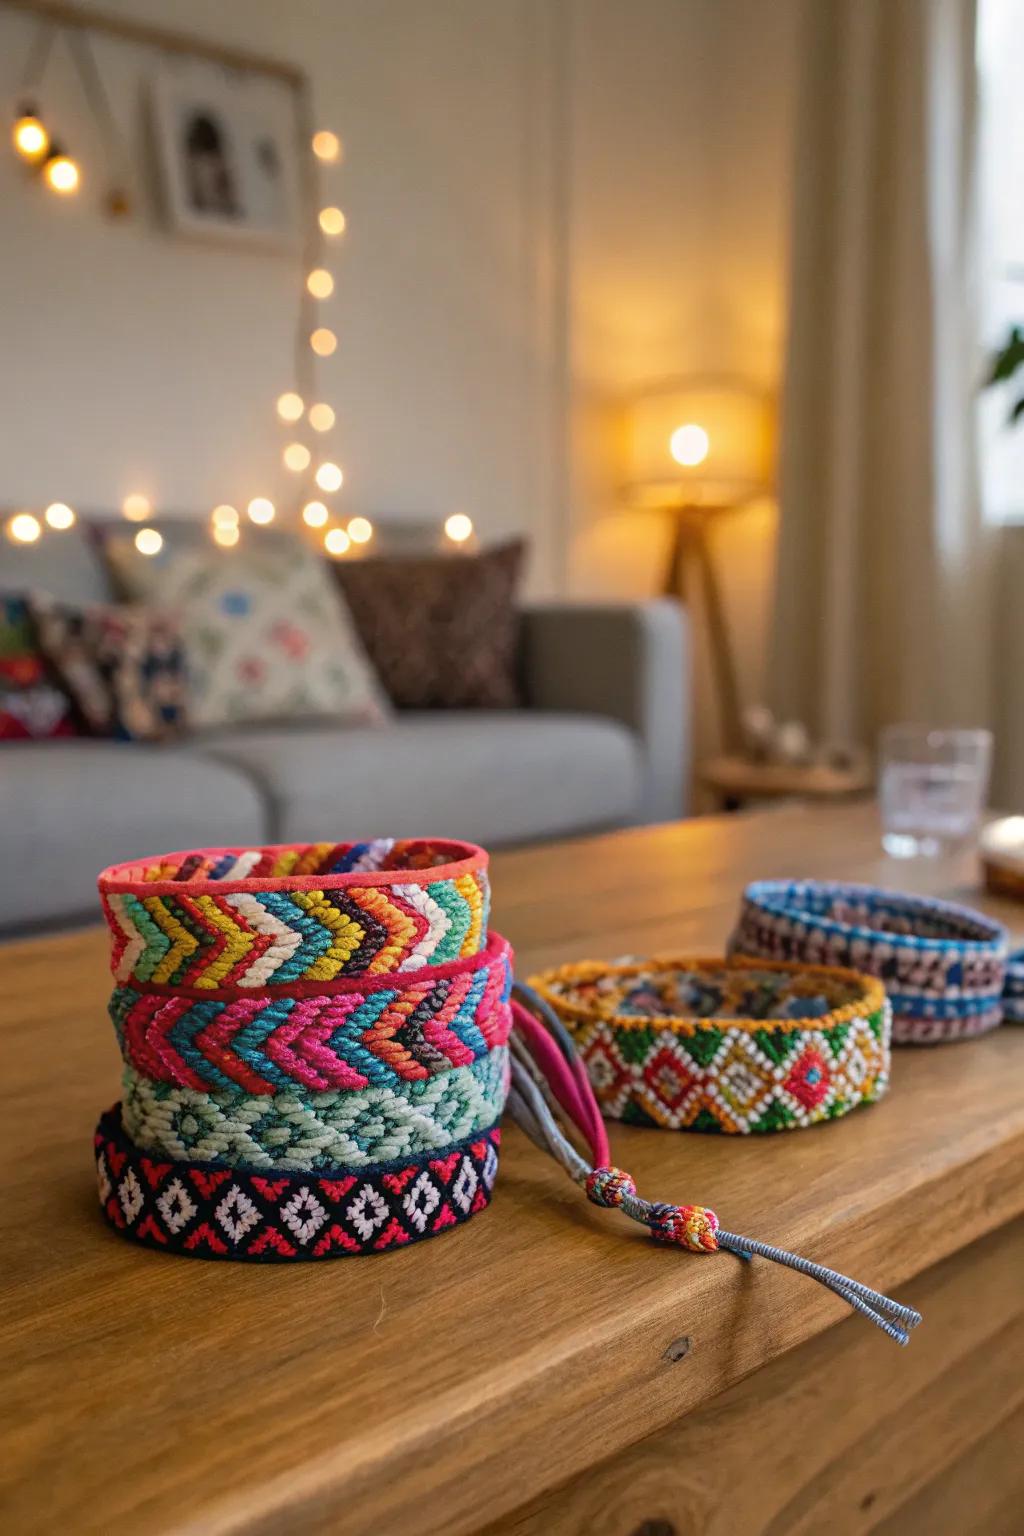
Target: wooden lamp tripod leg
<point x="691" y="546"/>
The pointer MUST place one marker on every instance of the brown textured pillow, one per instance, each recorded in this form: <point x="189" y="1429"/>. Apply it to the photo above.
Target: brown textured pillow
<point x="440" y="630"/>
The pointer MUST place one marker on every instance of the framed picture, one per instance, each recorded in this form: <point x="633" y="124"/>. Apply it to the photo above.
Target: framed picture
<point x="226" y="148"/>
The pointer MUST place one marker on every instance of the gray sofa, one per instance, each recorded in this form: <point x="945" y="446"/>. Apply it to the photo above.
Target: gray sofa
<point x="600" y="743"/>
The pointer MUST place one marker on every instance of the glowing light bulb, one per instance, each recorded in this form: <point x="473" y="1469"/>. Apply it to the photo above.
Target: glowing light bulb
<point x="320" y="283"/>
<point x="224" y="516"/>
<point x="23" y="528"/>
<point x="458" y="527"/>
<point x="314" y="514"/>
<point x="59" y="515"/>
<point x="261" y="510"/>
<point x="136" y="507"/>
<point x="296" y="457"/>
<point x="329" y="476"/>
<point x="326" y="145"/>
<point x="336" y="541"/>
<point x="360" y="530"/>
<point x="148" y="541"/>
<point x="290" y="406"/>
<point x="226" y="535"/>
<point x="61" y="172"/>
<point x="31" y="139"/>
<point x="321" y="418"/>
<point x="332" y="221"/>
<point x="323" y="341"/>
<point x="689" y="445"/>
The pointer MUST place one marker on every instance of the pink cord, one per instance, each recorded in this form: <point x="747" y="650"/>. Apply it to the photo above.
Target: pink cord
<point x="570" y="1085"/>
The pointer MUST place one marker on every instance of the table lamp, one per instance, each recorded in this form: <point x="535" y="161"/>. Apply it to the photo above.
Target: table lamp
<point x="698" y="450"/>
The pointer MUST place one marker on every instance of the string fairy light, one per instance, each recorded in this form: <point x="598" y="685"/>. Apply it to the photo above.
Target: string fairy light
<point x="290" y="406"/>
<point x="329" y="477"/>
<point x="321" y="417"/>
<point x="59" y="515"/>
<point x="332" y="221"/>
<point x="23" y="528"/>
<point x="296" y="457"/>
<point x="59" y="170"/>
<point x="136" y="507"/>
<point x="336" y="541"/>
<point x="326" y="145"/>
<point x="458" y="527"/>
<point x="30" y="137"/>
<point x="149" y="541"/>
<point x="320" y="283"/>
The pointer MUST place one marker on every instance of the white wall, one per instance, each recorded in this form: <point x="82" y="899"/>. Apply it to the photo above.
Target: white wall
<point x="550" y="202"/>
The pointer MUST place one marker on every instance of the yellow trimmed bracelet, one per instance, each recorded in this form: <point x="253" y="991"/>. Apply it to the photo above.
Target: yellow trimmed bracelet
<point x="730" y="1046"/>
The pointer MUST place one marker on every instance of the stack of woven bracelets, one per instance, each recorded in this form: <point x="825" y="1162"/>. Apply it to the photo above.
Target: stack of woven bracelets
<point x="705" y="1045"/>
<point x="943" y="966"/>
<point x="315" y="1044"/>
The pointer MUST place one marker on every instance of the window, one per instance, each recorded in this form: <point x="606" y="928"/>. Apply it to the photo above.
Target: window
<point x="1001" y="142"/>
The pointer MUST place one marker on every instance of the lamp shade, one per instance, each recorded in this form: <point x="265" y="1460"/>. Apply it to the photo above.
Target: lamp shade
<point x="698" y="446"/>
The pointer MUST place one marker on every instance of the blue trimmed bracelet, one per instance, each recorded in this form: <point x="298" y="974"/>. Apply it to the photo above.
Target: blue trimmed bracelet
<point x="943" y="965"/>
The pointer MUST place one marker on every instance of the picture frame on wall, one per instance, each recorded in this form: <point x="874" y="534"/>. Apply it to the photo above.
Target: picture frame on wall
<point x="226" y="148"/>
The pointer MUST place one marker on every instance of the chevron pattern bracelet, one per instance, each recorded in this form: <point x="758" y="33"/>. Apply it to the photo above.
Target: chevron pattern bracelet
<point x="382" y="1032"/>
<point x="257" y="917"/>
<point x="705" y="1045"/>
<point x="196" y="1208"/>
<point x="943" y="965"/>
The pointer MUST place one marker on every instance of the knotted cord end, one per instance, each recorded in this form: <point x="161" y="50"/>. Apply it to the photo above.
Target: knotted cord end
<point x="692" y="1227"/>
<point x="688" y="1226"/>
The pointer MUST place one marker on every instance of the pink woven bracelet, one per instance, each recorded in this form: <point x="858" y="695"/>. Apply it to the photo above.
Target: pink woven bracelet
<point x="261" y="917"/>
<point x="315" y="1036"/>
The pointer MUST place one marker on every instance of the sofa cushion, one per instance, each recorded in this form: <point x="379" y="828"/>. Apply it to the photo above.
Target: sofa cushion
<point x="490" y="776"/>
<point x="267" y="634"/>
<point x="33" y="705"/>
<point x="122" y="665"/>
<point x="441" y="630"/>
<point x="70" y="808"/>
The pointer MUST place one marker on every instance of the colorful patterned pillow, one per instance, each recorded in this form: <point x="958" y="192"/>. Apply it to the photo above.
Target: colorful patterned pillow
<point x="32" y="708"/>
<point x="123" y="667"/>
<point x="266" y="635"/>
<point x="442" y="631"/>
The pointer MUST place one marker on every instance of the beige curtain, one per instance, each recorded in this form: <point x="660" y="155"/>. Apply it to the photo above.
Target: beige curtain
<point x="882" y="599"/>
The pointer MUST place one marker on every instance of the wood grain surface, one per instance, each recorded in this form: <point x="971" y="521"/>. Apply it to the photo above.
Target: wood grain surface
<point x="831" y="1438"/>
<point x="439" y="1389"/>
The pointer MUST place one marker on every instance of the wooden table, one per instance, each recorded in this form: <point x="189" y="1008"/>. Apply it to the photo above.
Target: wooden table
<point x="546" y="1371"/>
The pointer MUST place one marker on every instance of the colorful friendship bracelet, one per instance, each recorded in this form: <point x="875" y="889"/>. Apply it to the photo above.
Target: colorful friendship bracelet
<point x="351" y="1128"/>
<point x="709" y="1045"/>
<point x="198" y="1209"/>
<point x="253" y="917"/>
<point x="1013" y="990"/>
<point x="348" y="1034"/>
<point x="943" y="965"/>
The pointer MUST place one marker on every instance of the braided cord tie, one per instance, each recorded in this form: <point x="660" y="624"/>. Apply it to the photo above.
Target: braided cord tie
<point x="531" y="1102"/>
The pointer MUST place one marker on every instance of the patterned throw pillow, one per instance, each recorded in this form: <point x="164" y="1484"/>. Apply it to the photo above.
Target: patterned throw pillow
<point x="32" y="708"/>
<point x="267" y="636"/>
<point x="123" y="667"/>
<point x="442" y="631"/>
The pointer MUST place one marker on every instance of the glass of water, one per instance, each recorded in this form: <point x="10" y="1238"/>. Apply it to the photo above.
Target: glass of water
<point x="932" y="787"/>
